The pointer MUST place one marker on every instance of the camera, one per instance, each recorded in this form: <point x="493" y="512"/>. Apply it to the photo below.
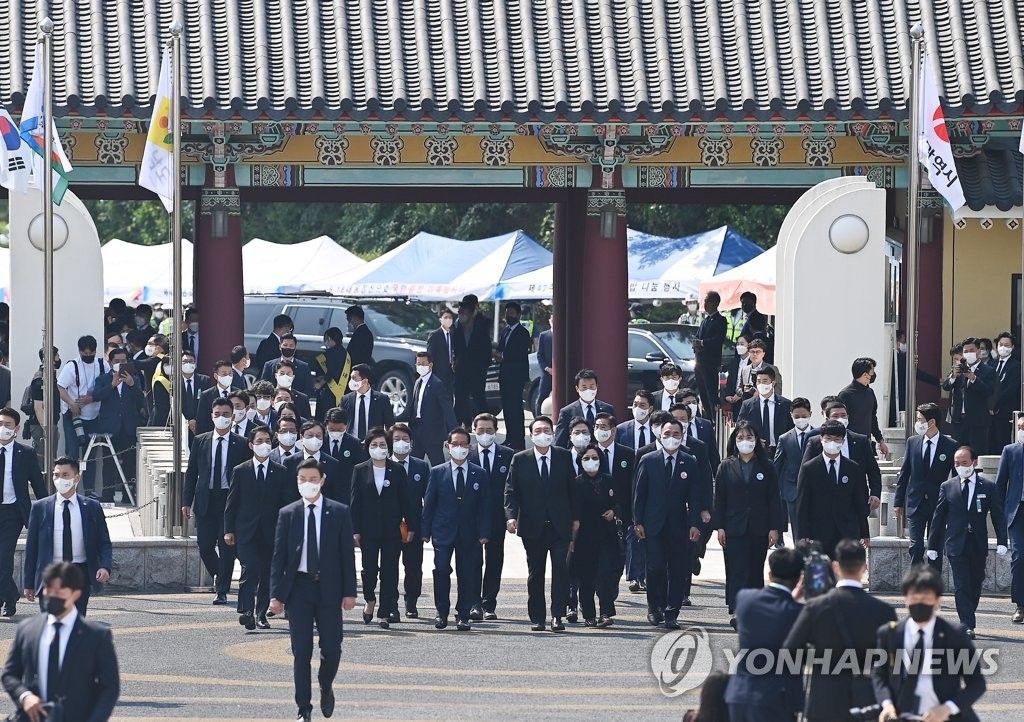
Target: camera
<point x="964" y="367"/>
<point x="818" y="576"/>
<point x="865" y="714"/>
<point x="79" y="426"/>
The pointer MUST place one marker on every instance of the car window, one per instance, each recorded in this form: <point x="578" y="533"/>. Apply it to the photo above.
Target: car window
<point x="406" y="320"/>
<point x="640" y="346"/>
<point x="678" y="341"/>
<point x="259" y="316"/>
<point x="308" y="320"/>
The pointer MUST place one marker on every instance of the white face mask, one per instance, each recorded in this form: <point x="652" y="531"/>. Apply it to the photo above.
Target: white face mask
<point x="983" y="354"/>
<point x="1004" y="351"/>
<point x="843" y="420"/>
<point x="587" y="396"/>
<point x="693" y="410"/>
<point x="354" y="385"/>
<point x="287" y="438"/>
<point x="459" y="453"/>
<point x="901" y="347"/>
<point x="745" y="446"/>
<point x="801" y="422"/>
<point x="485" y="440"/>
<point x="221" y="422"/>
<point x="150" y="350"/>
<point x="656" y="431"/>
<point x="250" y="414"/>
<point x="921" y="427"/>
<point x="1020" y="436"/>
<point x="640" y="414"/>
<point x="7" y="434"/>
<point x="602" y="435"/>
<point x="965" y="471"/>
<point x="403" y="447"/>
<point x="422" y="369"/>
<point x="225" y="380"/>
<point x="238" y="415"/>
<point x="765" y="389"/>
<point x="335" y="435"/>
<point x="62" y="485"/>
<point x="740" y="349"/>
<point x="591" y="465"/>
<point x="312" y="444"/>
<point x="831" y="447"/>
<point x="263" y="405"/>
<point x="116" y="368"/>
<point x="671" y="385"/>
<point x="970" y="357"/>
<point x="671" y="443"/>
<point x="309" y="490"/>
<point x="284" y="381"/>
<point x="543" y="439"/>
<point x="580" y="440"/>
<point x="188" y="368"/>
<point x="262" y="450"/>
<point x="378" y="453"/>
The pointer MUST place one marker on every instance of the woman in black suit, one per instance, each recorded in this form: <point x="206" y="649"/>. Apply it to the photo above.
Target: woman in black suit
<point x="748" y="511"/>
<point x="380" y="502"/>
<point x="595" y="549"/>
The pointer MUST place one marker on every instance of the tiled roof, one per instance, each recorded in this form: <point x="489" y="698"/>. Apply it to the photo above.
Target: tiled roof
<point x="523" y="60"/>
<point x="992" y="177"/>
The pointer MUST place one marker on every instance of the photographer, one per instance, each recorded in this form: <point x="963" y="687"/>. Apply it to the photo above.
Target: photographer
<point x="971" y="384"/>
<point x="75" y="384"/>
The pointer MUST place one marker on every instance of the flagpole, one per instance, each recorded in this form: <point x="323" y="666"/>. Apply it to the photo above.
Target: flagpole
<point x="912" y="247"/>
<point x="46" y="40"/>
<point x="175" y="489"/>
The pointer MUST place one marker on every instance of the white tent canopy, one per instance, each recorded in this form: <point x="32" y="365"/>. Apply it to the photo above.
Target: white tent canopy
<point x="5" y="274"/>
<point x="144" y="274"/>
<point x="312" y="265"/>
<point x="756" y="275"/>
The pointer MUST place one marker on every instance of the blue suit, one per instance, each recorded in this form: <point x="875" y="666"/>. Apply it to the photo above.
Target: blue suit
<point x="1010" y="481"/>
<point x="789" y="456"/>
<point x="570" y="412"/>
<point x="545" y="360"/>
<point x="456" y="526"/>
<point x="122" y="410"/>
<point x="917" y="489"/>
<point x="39" y="544"/>
<point x="303" y="377"/>
<point x="625" y="434"/>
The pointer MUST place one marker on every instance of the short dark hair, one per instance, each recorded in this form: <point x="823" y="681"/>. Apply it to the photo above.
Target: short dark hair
<point x="835" y="405"/>
<point x="355" y="312"/>
<point x="659" y="417"/>
<point x="262" y="388"/>
<point x="282" y="320"/>
<point x="426" y="355"/>
<point x="930" y="412"/>
<point x="12" y="414"/>
<point x="86" y="342"/>
<point x="687" y="392"/>
<point x="785" y="564"/>
<point x="311" y="424"/>
<point x="289" y="337"/>
<point x="826" y="400"/>
<point x="220" y="401"/>
<point x="576" y="420"/>
<point x="767" y="370"/>
<point x="861" y="366"/>
<point x="645" y="395"/>
<point x="851" y="555"/>
<point x="514" y="304"/>
<point x="67" y="461"/>
<point x="922" y="578"/>
<point x="400" y="426"/>
<point x="748" y="294"/>
<point x="286" y="420"/>
<point x="800" y="403"/>
<point x="55" y="352"/>
<point x="485" y="417"/>
<point x="364" y="371"/>
<point x="714" y="295"/>
<point x="746" y="426"/>
<point x="459" y="431"/>
<point x="310" y="463"/>
<point x="545" y="419"/>
<point x="668" y="369"/>
<point x="242" y="396"/>
<point x="673" y="421"/>
<point x="584" y="374"/>
<point x="221" y="362"/>
<point x="68" y="574"/>
<point x="284" y="363"/>
<point x="251" y="436"/>
<point x="191" y="311"/>
<point x="161" y="341"/>
<point x="969" y="341"/>
<point x="447" y="311"/>
<point x="757" y="343"/>
<point x="189" y="353"/>
<point x="970" y="450"/>
<point x="377" y="432"/>
<point x="604" y="415"/>
<point x="1007" y="334"/>
<point x="680" y="407"/>
<point x="238" y="353"/>
<point x="337" y="415"/>
<point x="833" y="428"/>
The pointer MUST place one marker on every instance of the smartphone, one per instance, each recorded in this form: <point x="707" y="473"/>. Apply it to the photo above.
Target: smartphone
<point x="128" y="367"/>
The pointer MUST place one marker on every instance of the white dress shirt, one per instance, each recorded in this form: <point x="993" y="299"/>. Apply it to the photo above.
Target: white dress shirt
<point x="610" y="449"/>
<point x="925" y="689"/>
<point x="490" y="456"/>
<point x="455" y="477"/>
<point x="77" y="535"/>
<point x="969" y="491"/>
<point x="852" y="583"/>
<point x="365" y="398"/>
<point x="419" y="399"/>
<point x="769" y="433"/>
<point x="10" y="495"/>
<point x="929" y="453"/>
<point x="646" y="426"/>
<point x="256" y="464"/>
<point x="43" y="668"/>
<point x="224" y="476"/>
<point x="404" y="463"/>
<point x="318" y="514"/>
<point x="378" y="477"/>
<point x="538" y="456"/>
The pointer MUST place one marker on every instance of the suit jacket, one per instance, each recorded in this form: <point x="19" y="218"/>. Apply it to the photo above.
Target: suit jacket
<point x="122" y="409"/>
<point x="1010" y="480"/>
<point x="830" y="512"/>
<point x="25" y="473"/>
<point x="89" y="679"/>
<point x="250" y="512"/>
<point x="190" y="404"/>
<point x="336" y="551"/>
<point x="843" y="618"/>
<point x="916" y="480"/>
<point x="352" y="452"/>
<point x="196" y="493"/>
<point x="532" y="504"/>
<point x="622" y="473"/>
<point x="5" y="386"/>
<point x="360" y="346"/>
<point x="545" y="357"/>
<point x="238" y="380"/>
<point x="763" y="617"/>
<point x="472" y="354"/>
<point x="1007" y="388"/>
<point x="712" y="336"/>
<point x="788" y="458"/>
<point x="303" y="376"/>
<point x="302" y="407"/>
<point x="339" y="475"/>
<point x="501" y="460"/>
<point x="381" y="412"/>
<point x="438" y="350"/>
<point x="706" y="433"/>
<point x="625" y="434"/>
<point x="971" y="402"/>
<point x="962" y="689"/>
<point x="449" y="521"/>
<point x="752" y="409"/>
<point x="268" y="350"/>
<point x="670" y="505"/>
<point x="756" y="323"/>
<point x="416" y="478"/>
<point x="747" y="507"/>
<point x="379" y="516"/>
<point x="437" y="412"/>
<point x="39" y="540"/>
<point x="963" y="528"/>
<point x="706" y="479"/>
<point x="514" y="345"/>
<point x="568" y="413"/>
<point x="204" y="408"/>
<point x="860" y="451"/>
<point x="185" y="344"/>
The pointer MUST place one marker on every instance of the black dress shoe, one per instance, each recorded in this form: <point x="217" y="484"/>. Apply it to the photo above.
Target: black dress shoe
<point x="634" y="586"/>
<point x="557" y="625"/>
<point x="303" y="717"/>
<point x="247" y="620"/>
<point x="572" y="617"/>
<point x="262" y="623"/>
<point x="327" y="701"/>
<point x="538" y="627"/>
<point x="604" y="622"/>
<point x="476" y="614"/>
<point x="220" y="599"/>
<point x="10" y="609"/>
<point x="970" y="633"/>
<point x="686" y="602"/>
<point x="412" y="613"/>
<point x="383" y="624"/>
<point x="1017" y="618"/>
<point x="655" y="618"/>
<point x="463" y="625"/>
<point x="732" y="622"/>
<point x="440" y="623"/>
<point x="490" y="616"/>
<point x="589" y="622"/>
<point x="270" y="615"/>
<point x="671" y="624"/>
<point x="367" y="618"/>
<point x="394" y="618"/>
<point x="696" y="567"/>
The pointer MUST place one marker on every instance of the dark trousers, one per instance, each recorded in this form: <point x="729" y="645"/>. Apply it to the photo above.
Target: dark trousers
<point x="470" y="396"/>
<point x="468" y="560"/>
<point x="494" y="560"/>
<point x="596" y="564"/>
<point x="544" y="390"/>
<point x="412" y="561"/>
<point x="537" y="551"/>
<point x="11" y="525"/>
<point x="918" y="525"/>
<point x="744" y="564"/>
<point x="254" y="583"/>
<point x="1016" y="534"/>
<point x="381" y="556"/>
<point x="430" y="445"/>
<point x="707" y="387"/>
<point x="668" y="569"/>
<point x="791" y="509"/>
<point x="1000" y="432"/>
<point x="968" y="570"/>
<point x="636" y="559"/>
<point x="974" y="436"/>
<point x="305" y="606"/>
<point x="512" y="409"/>
<point x="217" y="556"/>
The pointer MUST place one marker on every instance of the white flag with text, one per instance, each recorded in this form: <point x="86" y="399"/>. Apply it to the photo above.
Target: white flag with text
<point x="936" y="154"/>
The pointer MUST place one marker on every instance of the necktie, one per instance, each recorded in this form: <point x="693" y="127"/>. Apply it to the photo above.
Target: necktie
<point x="261" y="478"/>
<point x="192" y="342"/>
<point x="832" y="473"/>
<point x="487" y="461"/>
<point x="336" y="450"/>
<point x="766" y="423"/>
<point x="545" y="475"/>
<point x="312" y="552"/>
<point x="801" y="437"/>
<point x="668" y="467"/>
<point x="928" y="454"/>
<point x="68" y="555"/>
<point x="419" y="396"/>
<point x="218" y="465"/>
<point x="224" y="393"/>
<point x="590" y="415"/>
<point x="999" y="368"/>
<point x="3" y="468"/>
<point x="448" y="345"/>
<point x="970" y="501"/>
<point x="361" y="421"/>
<point x="460" y="484"/>
<point x="53" y="667"/>
<point x="919" y="654"/>
<point x="607" y="461"/>
<point x="238" y="429"/>
<point x="188" y="387"/>
<point x="643" y="439"/>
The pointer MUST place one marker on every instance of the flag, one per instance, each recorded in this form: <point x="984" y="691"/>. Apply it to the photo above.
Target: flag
<point x="15" y="158"/>
<point x="33" y="133"/>
<point x="157" y="173"/>
<point x="935" y="152"/>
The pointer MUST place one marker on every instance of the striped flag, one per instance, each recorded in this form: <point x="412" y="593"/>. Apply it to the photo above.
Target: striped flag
<point x="33" y="133"/>
<point x="15" y="157"/>
<point x="157" y="173"/>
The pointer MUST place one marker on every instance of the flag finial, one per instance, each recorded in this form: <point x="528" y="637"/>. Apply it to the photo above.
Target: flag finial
<point x="917" y="31"/>
<point x="176" y="28"/>
<point x="46" y="26"/>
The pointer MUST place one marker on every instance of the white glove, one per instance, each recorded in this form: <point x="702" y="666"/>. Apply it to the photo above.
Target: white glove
<point x="1000" y="550"/>
<point x="932" y="554"/>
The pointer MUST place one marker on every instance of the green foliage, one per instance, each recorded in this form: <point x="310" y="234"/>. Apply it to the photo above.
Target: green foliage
<point x="142" y="222"/>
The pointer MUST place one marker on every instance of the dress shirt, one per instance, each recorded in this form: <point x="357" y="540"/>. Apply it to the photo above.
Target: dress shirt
<point x="934" y="446"/>
<point x="969" y="491"/>
<point x="404" y="463"/>
<point x="646" y="426"/>
<point x="256" y="464"/>
<point x="419" y="400"/>
<point x="538" y="456"/>
<point x="43" y="668"/>
<point x="10" y="495"/>
<point x="852" y="583"/>
<point x="365" y="399"/>
<point x="287" y="453"/>
<point x="609" y="452"/>
<point x="318" y="514"/>
<point x="769" y="433"/>
<point x="378" y="477"/>
<point x="455" y="473"/>
<point x="925" y="689"/>
<point x="489" y="463"/>
<point x="225" y="478"/>
<point x="77" y="536"/>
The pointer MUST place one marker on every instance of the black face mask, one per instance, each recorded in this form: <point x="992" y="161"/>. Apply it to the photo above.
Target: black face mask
<point x="54" y="605"/>
<point x="88" y="359"/>
<point x="921" y="612"/>
<point x="287" y="352"/>
<point x="510" y="320"/>
<point x="874" y="376"/>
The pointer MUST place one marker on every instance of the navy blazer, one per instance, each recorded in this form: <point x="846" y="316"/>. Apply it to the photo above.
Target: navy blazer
<point x="751" y="411"/>
<point x="706" y="479"/>
<point x="828" y="512"/>
<point x="39" y="541"/>
<point x="501" y="463"/>
<point x="532" y="503"/>
<point x="25" y="473"/>
<point x="122" y="409"/>
<point x="1010" y="480"/>
<point x="624" y="461"/>
<point x="448" y="521"/>
<point x="970" y="401"/>
<point x="860" y="451"/>
<point x="416" y="477"/>
<point x="437" y="412"/>
<point x="360" y="346"/>
<point x="671" y="505"/>
<point x="915" y="481"/>
<point x="303" y="376"/>
<point x="336" y="552"/>
<point x="625" y="434"/>
<point x="1007" y="392"/>
<point x="544" y="355"/>
<point x="438" y="350"/>
<point x="514" y="346"/>
<point x="788" y="458"/>
<point x="339" y="475"/>
<point x="958" y="529"/>
<point x="570" y="412"/>
<point x="706" y="433"/>
<point x="196" y="492"/>
<point x="250" y="512"/>
<point x="381" y="412"/>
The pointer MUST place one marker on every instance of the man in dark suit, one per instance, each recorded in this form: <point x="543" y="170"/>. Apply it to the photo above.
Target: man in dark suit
<point x="313" y="575"/>
<point x="430" y="413"/>
<point x="763" y="617"/>
<point x="78" y="523"/>
<point x="832" y="494"/>
<point x="927" y="463"/>
<point x="513" y="373"/>
<point x="636" y="433"/>
<point x="756" y="324"/>
<point x="190" y="336"/>
<point x="767" y="412"/>
<point x="856" y="446"/>
<point x="707" y="346"/>
<point x="457" y="519"/>
<point x="472" y="342"/>
<point x="1007" y="392"/>
<point x="972" y="384"/>
<point x="84" y="680"/>
<point x="257" y="492"/>
<point x="285" y="377"/>
<point x="495" y="460"/>
<point x="666" y="512"/>
<point x="732" y="394"/>
<point x="240" y="361"/>
<point x="343" y="447"/>
<point x="845" y="618"/>
<point x="360" y="343"/>
<point x="789" y="455"/>
<point x="270" y="347"/>
<point x="367" y="409"/>
<point x="263" y="393"/>
<point x="671" y="376"/>
<point x="123" y="409"/>
<point x="540" y="508"/>
<point x="303" y="380"/>
<point x="1010" y="481"/>
<point x="19" y="469"/>
<point x="222" y="376"/>
<point x="899" y="685"/>
<point x="700" y="428"/>
<point x="417" y="473"/>
<point x="587" y="407"/>
<point x="696" y="448"/>
<point x="619" y="461"/>
<point x="192" y="387"/>
<point x="339" y="476"/>
<point x="546" y="361"/>
<point x="959" y="528"/>
<point x="439" y="346"/>
<point x="212" y="457"/>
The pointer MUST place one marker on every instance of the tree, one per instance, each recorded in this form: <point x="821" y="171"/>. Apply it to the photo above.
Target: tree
<point x="142" y="222"/>
<point x="760" y="224"/>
